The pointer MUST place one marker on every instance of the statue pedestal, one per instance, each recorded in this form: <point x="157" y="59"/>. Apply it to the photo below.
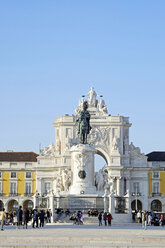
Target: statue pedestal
<point x="82" y="167"/>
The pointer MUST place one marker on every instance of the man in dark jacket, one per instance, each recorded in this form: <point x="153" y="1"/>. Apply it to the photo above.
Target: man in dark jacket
<point x="100" y="219"/>
<point x="19" y="214"/>
<point x="25" y="218"/>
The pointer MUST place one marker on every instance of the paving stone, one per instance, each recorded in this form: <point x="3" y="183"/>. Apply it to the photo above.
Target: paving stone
<point x="83" y="236"/>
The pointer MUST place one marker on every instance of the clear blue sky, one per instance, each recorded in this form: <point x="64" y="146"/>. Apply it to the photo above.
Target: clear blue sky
<point x="51" y="52"/>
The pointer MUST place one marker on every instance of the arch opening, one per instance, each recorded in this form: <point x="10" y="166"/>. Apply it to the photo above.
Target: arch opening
<point x="156" y="205"/>
<point x="100" y="161"/>
<point x="136" y="206"/>
<point x="1" y="205"/>
<point x="12" y="205"/>
<point x="28" y="204"/>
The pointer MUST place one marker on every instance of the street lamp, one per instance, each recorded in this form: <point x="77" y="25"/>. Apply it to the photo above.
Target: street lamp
<point x="136" y="195"/>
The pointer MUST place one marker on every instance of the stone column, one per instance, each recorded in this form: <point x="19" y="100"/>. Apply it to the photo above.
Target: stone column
<point x="111" y="204"/>
<point x="128" y="184"/>
<point x="119" y="186"/>
<point x="51" y="201"/>
<point x="105" y="203"/>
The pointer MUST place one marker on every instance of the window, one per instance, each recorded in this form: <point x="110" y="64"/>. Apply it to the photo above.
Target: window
<point x="155" y="174"/>
<point x="13" y="164"/>
<point x="136" y="187"/>
<point x="156" y="188"/>
<point x="28" y="164"/>
<point x="13" y="188"/>
<point x="0" y="187"/>
<point x="47" y="187"/>
<point x="13" y="174"/>
<point x="28" y="188"/>
<point x="28" y="175"/>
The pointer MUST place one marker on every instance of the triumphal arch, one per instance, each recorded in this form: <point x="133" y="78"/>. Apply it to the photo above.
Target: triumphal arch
<point x="68" y="165"/>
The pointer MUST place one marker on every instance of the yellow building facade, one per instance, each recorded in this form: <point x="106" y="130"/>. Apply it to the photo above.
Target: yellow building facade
<point x="17" y="179"/>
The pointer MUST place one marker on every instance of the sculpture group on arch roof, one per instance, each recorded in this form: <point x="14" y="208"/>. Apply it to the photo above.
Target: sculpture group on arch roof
<point x="92" y="102"/>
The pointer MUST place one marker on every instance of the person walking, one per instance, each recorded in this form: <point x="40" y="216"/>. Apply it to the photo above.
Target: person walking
<point x="25" y="218"/>
<point x="149" y="219"/>
<point x="19" y="214"/>
<point x="48" y="216"/>
<point x="2" y="218"/>
<point x="41" y="218"/>
<point x="162" y="220"/>
<point x="100" y="219"/>
<point x="105" y="218"/>
<point x="109" y="218"/>
<point x="144" y="220"/>
<point x="35" y="217"/>
<point x="139" y="216"/>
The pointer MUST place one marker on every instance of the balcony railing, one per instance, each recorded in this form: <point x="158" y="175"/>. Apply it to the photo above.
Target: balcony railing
<point x="156" y="194"/>
<point x="28" y="194"/>
<point x="13" y="194"/>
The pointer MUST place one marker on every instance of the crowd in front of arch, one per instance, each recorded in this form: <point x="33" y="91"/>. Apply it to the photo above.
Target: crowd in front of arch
<point x="38" y="218"/>
<point x="22" y="218"/>
<point x="149" y="218"/>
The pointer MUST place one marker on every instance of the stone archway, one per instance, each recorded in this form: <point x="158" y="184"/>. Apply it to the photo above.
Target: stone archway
<point x="139" y="205"/>
<point x="28" y="204"/>
<point x="156" y="205"/>
<point x="1" y="205"/>
<point x="103" y="154"/>
<point x="12" y="205"/>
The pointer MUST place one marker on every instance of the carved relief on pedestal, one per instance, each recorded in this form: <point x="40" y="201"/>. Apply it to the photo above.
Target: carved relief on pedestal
<point x="82" y="159"/>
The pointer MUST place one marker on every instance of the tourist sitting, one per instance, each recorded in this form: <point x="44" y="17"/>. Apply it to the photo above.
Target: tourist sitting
<point x="74" y="217"/>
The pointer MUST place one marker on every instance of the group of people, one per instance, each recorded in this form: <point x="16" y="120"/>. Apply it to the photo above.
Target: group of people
<point x="77" y="218"/>
<point x="148" y="218"/>
<point x="106" y="217"/>
<point x="22" y="217"/>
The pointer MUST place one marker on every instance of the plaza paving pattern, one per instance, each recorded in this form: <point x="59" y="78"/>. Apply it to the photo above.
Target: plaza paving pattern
<point x="84" y="236"/>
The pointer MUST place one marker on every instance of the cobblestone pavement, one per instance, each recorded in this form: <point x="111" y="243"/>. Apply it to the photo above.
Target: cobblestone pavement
<point x="84" y="236"/>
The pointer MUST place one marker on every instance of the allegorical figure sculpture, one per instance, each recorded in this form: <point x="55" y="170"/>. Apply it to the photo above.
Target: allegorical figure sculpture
<point x="92" y="97"/>
<point x="84" y="123"/>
